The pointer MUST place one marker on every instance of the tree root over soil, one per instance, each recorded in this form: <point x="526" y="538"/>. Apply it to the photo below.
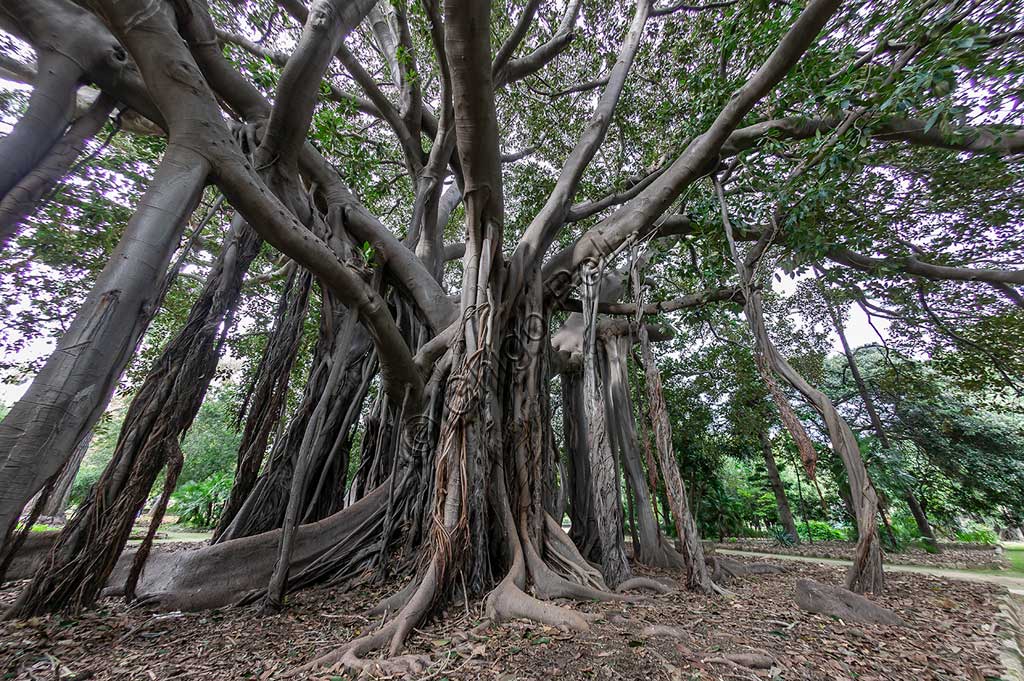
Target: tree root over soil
<point x="239" y="570"/>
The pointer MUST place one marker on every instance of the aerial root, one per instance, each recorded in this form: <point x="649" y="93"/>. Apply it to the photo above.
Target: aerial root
<point x="643" y="583"/>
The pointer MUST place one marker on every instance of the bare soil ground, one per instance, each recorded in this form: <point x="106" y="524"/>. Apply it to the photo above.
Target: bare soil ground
<point x="951" y="635"/>
<point x="957" y="556"/>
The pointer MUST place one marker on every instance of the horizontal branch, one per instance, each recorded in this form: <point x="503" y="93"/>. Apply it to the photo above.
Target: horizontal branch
<point x="720" y="295"/>
<point x="912" y="265"/>
<point x="997" y="140"/>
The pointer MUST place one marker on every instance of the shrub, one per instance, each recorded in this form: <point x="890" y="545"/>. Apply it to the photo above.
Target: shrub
<point x="199" y="504"/>
<point x="979" y="535"/>
<point x="817" y="530"/>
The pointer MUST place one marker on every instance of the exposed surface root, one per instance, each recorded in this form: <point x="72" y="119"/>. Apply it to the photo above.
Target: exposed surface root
<point x="564" y="558"/>
<point x="508" y="601"/>
<point x="548" y="585"/>
<point x="831" y="600"/>
<point x="655" y="630"/>
<point x="395" y="601"/>
<point x="643" y="583"/>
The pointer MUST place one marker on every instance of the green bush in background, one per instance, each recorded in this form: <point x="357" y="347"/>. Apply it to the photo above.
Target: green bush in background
<point x="198" y="504"/>
<point x="818" y="530"/>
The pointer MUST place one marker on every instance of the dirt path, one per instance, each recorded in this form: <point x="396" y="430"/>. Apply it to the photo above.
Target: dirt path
<point x="1014" y="584"/>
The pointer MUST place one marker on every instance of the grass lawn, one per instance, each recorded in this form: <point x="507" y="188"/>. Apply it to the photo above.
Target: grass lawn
<point x="1015" y="554"/>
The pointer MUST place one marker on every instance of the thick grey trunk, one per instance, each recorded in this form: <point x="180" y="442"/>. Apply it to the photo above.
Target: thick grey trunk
<point x="71" y="391"/>
<point x="605" y="489"/>
<point x="652" y="548"/>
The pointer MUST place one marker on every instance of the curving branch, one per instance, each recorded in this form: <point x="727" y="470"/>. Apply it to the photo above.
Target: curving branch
<point x="639" y="214"/>
<point x="517" y="69"/>
<point x="327" y="24"/>
<point x="720" y="295"/>
<point x="23" y="197"/>
<point x="1002" y="280"/>
<point x="996" y="140"/>
<point x="545" y="225"/>
<point x="515" y="38"/>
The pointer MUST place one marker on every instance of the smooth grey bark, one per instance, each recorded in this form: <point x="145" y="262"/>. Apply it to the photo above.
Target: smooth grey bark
<point x="652" y="548"/>
<point x="785" y="514"/>
<point x="72" y="389"/>
<point x="639" y="214"/>
<point x="19" y="202"/>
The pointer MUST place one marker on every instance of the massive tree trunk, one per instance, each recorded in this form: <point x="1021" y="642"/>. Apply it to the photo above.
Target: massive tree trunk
<point x="467" y="473"/>
<point x="72" y="389"/>
<point x="785" y="514"/>
<point x="652" y="548"/>
<point x="159" y="415"/>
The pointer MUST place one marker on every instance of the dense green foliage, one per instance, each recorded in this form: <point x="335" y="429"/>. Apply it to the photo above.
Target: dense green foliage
<point x="210" y="448"/>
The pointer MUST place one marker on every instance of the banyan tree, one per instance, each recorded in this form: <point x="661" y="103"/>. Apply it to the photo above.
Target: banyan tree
<point x="477" y="213"/>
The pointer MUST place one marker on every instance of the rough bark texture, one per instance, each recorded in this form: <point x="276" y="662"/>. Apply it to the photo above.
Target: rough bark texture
<point x="785" y="514"/>
<point x="697" y="576"/>
<point x="651" y="548"/>
<point x="604" y="469"/>
<point x="70" y="392"/>
<point x="264" y="404"/>
<point x="159" y="415"/>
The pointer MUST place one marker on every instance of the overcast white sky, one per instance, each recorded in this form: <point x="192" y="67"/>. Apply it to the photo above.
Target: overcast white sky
<point x="858" y="332"/>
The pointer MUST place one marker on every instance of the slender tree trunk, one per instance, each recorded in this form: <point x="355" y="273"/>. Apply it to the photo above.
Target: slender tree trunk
<point x="313" y="441"/>
<point x="266" y="402"/>
<point x="923" y="526"/>
<point x="785" y="514"/>
<point x="61" y="492"/>
<point x="649" y="547"/>
<point x="697" y="576"/>
<point x="583" y="528"/>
